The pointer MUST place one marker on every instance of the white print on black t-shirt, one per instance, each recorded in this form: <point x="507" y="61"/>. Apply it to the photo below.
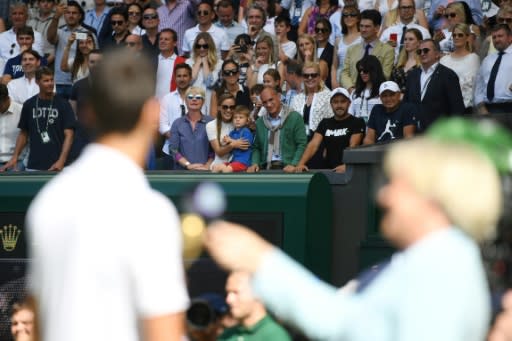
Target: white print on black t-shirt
<point x="336" y="132"/>
<point x="388" y="130"/>
<point x="42" y="112"/>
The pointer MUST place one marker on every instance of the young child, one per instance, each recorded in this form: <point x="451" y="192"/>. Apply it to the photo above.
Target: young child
<point x="272" y="78"/>
<point x="241" y="159"/>
<point x="254" y="93"/>
<point x="287" y="48"/>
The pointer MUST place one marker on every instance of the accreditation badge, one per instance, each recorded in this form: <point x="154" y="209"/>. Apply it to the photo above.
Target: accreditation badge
<point x="45" y="137"/>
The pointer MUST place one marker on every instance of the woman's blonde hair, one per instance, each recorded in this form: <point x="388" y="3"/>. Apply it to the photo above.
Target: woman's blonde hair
<point x="312" y="40"/>
<point x="196" y="90"/>
<point x="457" y="177"/>
<point x="270" y="43"/>
<point x="466" y="30"/>
<point x="316" y="66"/>
<point x="402" y="57"/>
<point x="212" y="50"/>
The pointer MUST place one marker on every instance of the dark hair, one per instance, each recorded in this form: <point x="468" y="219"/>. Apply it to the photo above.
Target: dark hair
<point x="183" y="66"/>
<point x="283" y="19"/>
<point x="434" y="42"/>
<point x="140" y="9"/>
<point x="96" y="51"/>
<point x="225" y="4"/>
<point x="344" y="28"/>
<point x="33" y="53"/>
<point x="243" y="37"/>
<point x="150" y="6"/>
<point x="206" y="2"/>
<point x="332" y="3"/>
<point x="256" y="89"/>
<point x="25" y="31"/>
<point x="43" y="71"/>
<point x="325" y="22"/>
<point x="373" y="15"/>
<point x="504" y="27"/>
<point x="223" y="97"/>
<point x="294" y="67"/>
<point x="222" y="88"/>
<point x="173" y="32"/>
<point x="4" y="92"/>
<point x="119" y="11"/>
<point x="121" y="85"/>
<point x="74" y="3"/>
<point x="79" y="57"/>
<point x="274" y="74"/>
<point x="258" y="8"/>
<point x="374" y="68"/>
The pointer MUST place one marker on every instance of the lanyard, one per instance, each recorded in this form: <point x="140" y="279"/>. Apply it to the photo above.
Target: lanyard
<point x="47" y="116"/>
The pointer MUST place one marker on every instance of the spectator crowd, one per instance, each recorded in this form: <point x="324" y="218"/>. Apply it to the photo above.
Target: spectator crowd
<point x="252" y="85"/>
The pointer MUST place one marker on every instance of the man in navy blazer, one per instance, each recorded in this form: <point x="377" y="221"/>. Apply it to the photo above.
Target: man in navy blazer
<point x="433" y="88"/>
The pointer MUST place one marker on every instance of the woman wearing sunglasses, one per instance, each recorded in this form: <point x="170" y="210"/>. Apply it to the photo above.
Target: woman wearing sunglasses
<point x="457" y="12"/>
<point x="135" y="19"/>
<point x="325" y="51"/>
<point x="350" y="18"/>
<point x="366" y="93"/>
<point x="222" y="126"/>
<point x="314" y="105"/>
<point x="464" y="62"/>
<point x="205" y="67"/>
<point x="408" y="59"/>
<point x="189" y="142"/>
<point x="230" y="85"/>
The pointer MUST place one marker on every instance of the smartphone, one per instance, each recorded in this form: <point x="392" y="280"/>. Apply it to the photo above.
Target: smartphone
<point x="243" y="48"/>
<point x="393" y="37"/>
<point x="80" y="36"/>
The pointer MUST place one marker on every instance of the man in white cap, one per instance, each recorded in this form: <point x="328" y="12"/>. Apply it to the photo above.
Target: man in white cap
<point x="393" y="119"/>
<point x="338" y="132"/>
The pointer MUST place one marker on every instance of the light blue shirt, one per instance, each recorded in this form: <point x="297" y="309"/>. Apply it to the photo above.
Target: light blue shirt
<point x="433" y="290"/>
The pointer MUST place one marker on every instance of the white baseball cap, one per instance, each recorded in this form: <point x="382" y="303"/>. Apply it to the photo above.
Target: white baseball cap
<point x="389" y="86"/>
<point x="340" y="91"/>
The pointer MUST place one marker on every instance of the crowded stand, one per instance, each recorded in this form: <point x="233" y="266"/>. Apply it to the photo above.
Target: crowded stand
<point x="444" y="58"/>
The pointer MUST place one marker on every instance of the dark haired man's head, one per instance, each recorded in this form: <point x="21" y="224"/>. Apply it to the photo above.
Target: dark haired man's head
<point x="370" y="25"/>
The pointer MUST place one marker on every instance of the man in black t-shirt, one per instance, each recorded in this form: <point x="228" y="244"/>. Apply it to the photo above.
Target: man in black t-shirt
<point x="392" y="119"/>
<point x="47" y="124"/>
<point x="338" y="132"/>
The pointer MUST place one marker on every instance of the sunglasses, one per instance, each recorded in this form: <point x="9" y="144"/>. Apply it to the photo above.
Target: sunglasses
<point x="458" y="35"/>
<point x="504" y="20"/>
<point x="353" y="15"/>
<point x="196" y="97"/>
<point x="201" y="13"/>
<point x="450" y="15"/>
<point x="202" y="46"/>
<point x="320" y="30"/>
<point x="229" y="72"/>
<point x="116" y="22"/>
<point x="150" y="16"/>
<point x="228" y="107"/>
<point x="406" y="7"/>
<point x="133" y="14"/>
<point x="363" y="71"/>
<point x="310" y="75"/>
<point x="424" y="50"/>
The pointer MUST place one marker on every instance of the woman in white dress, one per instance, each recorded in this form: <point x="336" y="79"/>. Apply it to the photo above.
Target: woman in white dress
<point x="205" y="67"/>
<point x="220" y="127"/>
<point x="464" y="62"/>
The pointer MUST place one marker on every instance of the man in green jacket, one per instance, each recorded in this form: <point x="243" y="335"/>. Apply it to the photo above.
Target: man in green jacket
<point x="280" y="136"/>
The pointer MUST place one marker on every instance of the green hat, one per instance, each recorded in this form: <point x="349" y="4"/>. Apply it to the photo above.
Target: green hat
<point x="489" y="137"/>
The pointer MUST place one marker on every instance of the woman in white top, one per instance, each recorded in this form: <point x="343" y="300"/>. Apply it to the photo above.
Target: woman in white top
<point x="79" y="65"/>
<point x="265" y="59"/>
<point x="464" y="62"/>
<point x="135" y="19"/>
<point x="205" y="67"/>
<point x="350" y="18"/>
<point x="220" y="127"/>
<point x="314" y="105"/>
<point x="366" y="93"/>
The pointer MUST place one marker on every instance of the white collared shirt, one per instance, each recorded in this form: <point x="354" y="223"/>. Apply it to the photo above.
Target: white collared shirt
<point x="21" y="89"/>
<point x="9" y="130"/>
<point x="170" y="110"/>
<point x="425" y="77"/>
<point x="219" y="36"/>
<point x="503" y="83"/>
<point x="164" y="75"/>
<point x="9" y="46"/>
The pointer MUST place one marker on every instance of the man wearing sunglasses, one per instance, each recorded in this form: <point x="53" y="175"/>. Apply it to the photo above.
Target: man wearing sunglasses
<point x="434" y="88"/>
<point x="119" y="24"/>
<point x="205" y="16"/>
<point x="150" y="22"/>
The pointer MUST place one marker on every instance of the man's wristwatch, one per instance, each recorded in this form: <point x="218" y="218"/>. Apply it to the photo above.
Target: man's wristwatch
<point x="187" y="164"/>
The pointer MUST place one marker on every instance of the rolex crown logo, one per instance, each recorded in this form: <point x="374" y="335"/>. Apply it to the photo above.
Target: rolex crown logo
<point x="9" y="234"/>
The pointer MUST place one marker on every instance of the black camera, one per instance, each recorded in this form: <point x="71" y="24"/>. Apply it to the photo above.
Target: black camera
<point x="205" y="310"/>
